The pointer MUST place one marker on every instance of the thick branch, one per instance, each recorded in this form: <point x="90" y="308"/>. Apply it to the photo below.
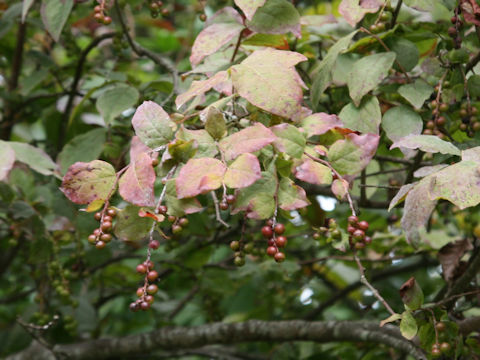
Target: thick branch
<point x="223" y="333"/>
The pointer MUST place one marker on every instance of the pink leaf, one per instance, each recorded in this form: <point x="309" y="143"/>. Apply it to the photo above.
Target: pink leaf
<point x="320" y="123"/>
<point x="137" y="147"/>
<point x="268" y="79"/>
<point x="340" y="188"/>
<point x="201" y="87"/>
<point x="247" y="140"/>
<point x="86" y="182"/>
<point x="249" y="6"/>
<point x="354" y="10"/>
<point x="153" y="125"/>
<point x="224" y="26"/>
<point x="291" y="196"/>
<point x="314" y="173"/>
<point x="6" y="160"/>
<point x="199" y="176"/>
<point x="243" y="172"/>
<point x="136" y="184"/>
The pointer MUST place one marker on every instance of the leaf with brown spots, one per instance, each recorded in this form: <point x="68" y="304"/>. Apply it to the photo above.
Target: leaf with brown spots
<point x="136" y="184"/>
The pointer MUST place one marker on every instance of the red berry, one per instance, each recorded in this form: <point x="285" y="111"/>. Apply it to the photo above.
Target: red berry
<point x="98" y="216"/>
<point x="359" y="245"/>
<point x="363" y="225"/>
<point x="144" y="305"/>
<point x="351" y="229"/>
<point x="154" y="244"/>
<point x="92" y="239"/>
<point x="279" y="257"/>
<point x="133" y="307"/>
<point x="148" y="264"/>
<point x="183" y="222"/>
<point x="149" y="299"/>
<point x="141" y="269"/>
<point x="97" y="232"/>
<point x="97" y="8"/>
<point x="106" y="226"/>
<point x="152" y="275"/>
<point x="162" y="209"/>
<point x="107" y="20"/>
<point x="171" y="218"/>
<point x="352" y="219"/>
<point x="267" y="231"/>
<point x="223" y="205"/>
<point x="107" y="218"/>
<point x="367" y="240"/>
<point x="112" y="212"/>
<point x="281" y="241"/>
<point x="100" y="244"/>
<point x="358" y="234"/>
<point x="230" y="199"/>
<point x="269" y="222"/>
<point x="152" y="289"/>
<point x="271" y="250"/>
<point x="106" y="237"/>
<point x="279" y="229"/>
<point x="271" y="242"/>
<point x="140" y="292"/>
<point x="98" y="16"/>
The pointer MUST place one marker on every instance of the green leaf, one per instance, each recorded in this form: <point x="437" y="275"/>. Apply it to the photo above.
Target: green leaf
<point x="411" y="294"/>
<point x="416" y="93"/>
<point x="323" y="76"/>
<point x="26" y="5"/>
<point x="182" y="151"/>
<point x="251" y="139"/>
<point x="268" y="79"/>
<point x="427" y="143"/>
<point x="131" y="227"/>
<point x="314" y="173"/>
<point x="206" y="144"/>
<point x="136" y="184"/>
<point x="366" y="118"/>
<point x="243" y="172"/>
<point x="54" y="15"/>
<point x="408" y="325"/>
<point x="391" y="318"/>
<point x="276" y="17"/>
<point x="34" y="157"/>
<point x="114" y="101"/>
<point x="179" y="207"/>
<point x="291" y="196"/>
<point x="367" y="73"/>
<point x="407" y="52"/>
<point x="153" y="125"/>
<point x="86" y="182"/>
<point x="401" y="121"/>
<point x="249" y="7"/>
<point x="215" y="123"/>
<point x="289" y="140"/>
<point x="257" y="199"/>
<point x="6" y="160"/>
<point x="352" y="155"/>
<point x="199" y="176"/>
<point x="85" y="147"/>
<point x="474" y="86"/>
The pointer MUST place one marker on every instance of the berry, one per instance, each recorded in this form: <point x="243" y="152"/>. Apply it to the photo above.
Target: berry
<point x="445" y="347"/>
<point x="162" y="209"/>
<point x="279" y="257"/>
<point x="281" y="241"/>
<point x="149" y="299"/>
<point x="351" y="229"/>
<point x="452" y="31"/>
<point x="223" y="205"/>
<point x="140" y="292"/>
<point x="269" y="222"/>
<point x="152" y="275"/>
<point x="144" y="305"/>
<point x="97" y="232"/>
<point x="231" y="199"/>
<point x="358" y="234"/>
<point x="367" y="240"/>
<point x="453" y="19"/>
<point x="100" y="244"/>
<point x="155" y="162"/>
<point x="92" y="239"/>
<point x="435" y="351"/>
<point x="133" y="307"/>
<point x="239" y="261"/>
<point x="148" y="264"/>
<point x="171" y="218"/>
<point x="363" y="225"/>
<point x="336" y="234"/>
<point x="443" y="107"/>
<point x="107" y="20"/>
<point x="106" y="237"/>
<point x="267" y="231"/>
<point x="316" y="235"/>
<point x="97" y="9"/>
<point x="141" y="268"/>
<point x="441" y="121"/>
<point x="98" y="216"/>
<point x="271" y="250"/>
<point x="234" y="245"/>
<point x="352" y="219"/>
<point x="152" y="289"/>
<point x="183" y="222"/>
<point x="202" y="17"/>
<point x="98" y="16"/>
<point x="107" y="218"/>
<point x="279" y="229"/>
<point x="359" y="245"/>
<point x="112" y="212"/>
<point x="176" y="229"/>
<point x="106" y="226"/>
<point x="440" y="326"/>
<point x="271" y="242"/>
<point x="154" y="244"/>
<point x="165" y="12"/>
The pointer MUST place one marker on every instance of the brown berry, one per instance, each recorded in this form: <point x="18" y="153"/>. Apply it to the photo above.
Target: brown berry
<point x="352" y="220"/>
<point x="202" y="17"/>
<point x="98" y="216"/>
<point x="279" y="229"/>
<point x="183" y="222"/>
<point x="281" y="241"/>
<point x="140" y="292"/>
<point x="162" y="209"/>
<point x="279" y="257"/>
<point x="107" y="218"/>
<point x="176" y="229"/>
<point x="152" y="275"/>
<point x="112" y="212"/>
<point x="107" y="20"/>
<point x="235" y="245"/>
<point x="100" y="244"/>
<point x="230" y="199"/>
<point x="154" y="244"/>
<point x="144" y="305"/>
<point x="149" y="299"/>
<point x="106" y="226"/>
<point x="271" y="250"/>
<point x="141" y="268"/>
<point x="152" y="289"/>
<point x="92" y="239"/>
<point x="106" y="237"/>
<point x="223" y="205"/>
<point x="267" y="231"/>
<point x="440" y="326"/>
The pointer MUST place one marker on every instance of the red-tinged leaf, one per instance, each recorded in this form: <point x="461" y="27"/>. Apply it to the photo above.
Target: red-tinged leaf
<point x="290" y="140"/>
<point x="340" y="188"/>
<point x="247" y="140"/>
<point x="243" y="172"/>
<point x="147" y="213"/>
<point x="320" y="123"/>
<point x="249" y="6"/>
<point x="354" y="10"/>
<point x="221" y="28"/>
<point x="351" y="155"/>
<point x="179" y="207"/>
<point x="6" y="160"/>
<point x="199" y="176"/>
<point x="291" y="196"/>
<point x="411" y="294"/>
<point x="138" y="147"/>
<point x="470" y="11"/>
<point x="153" y="125"/>
<point x="268" y="79"/>
<point x="201" y="87"/>
<point x="450" y="257"/>
<point x="314" y="173"/>
<point x="136" y="184"/>
<point x="87" y="182"/>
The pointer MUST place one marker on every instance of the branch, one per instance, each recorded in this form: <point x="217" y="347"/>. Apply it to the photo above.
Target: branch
<point x="228" y="333"/>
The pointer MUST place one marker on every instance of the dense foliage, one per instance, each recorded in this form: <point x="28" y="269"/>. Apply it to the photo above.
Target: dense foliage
<point x="199" y="179"/>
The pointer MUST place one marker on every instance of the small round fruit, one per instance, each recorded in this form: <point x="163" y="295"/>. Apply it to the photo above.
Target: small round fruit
<point x="106" y="237"/>
<point x="152" y="275"/>
<point x="149" y="265"/>
<point x="171" y="218"/>
<point x="165" y="12"/>
<point x="267" y="232"/>
<point x="133" y="307"/>
<point x="149" y="299"/>
<point x="363" y="225"/>
<point x="152" y="289"/>
<point x="106" y="226"/>
<point x="107" y="218"/>
<point x="176" y="229"/>
<point x="183" y="222"/>
<point x="441" y="121"/>
<point x="352" y="220"/>
<point x="281" y="241"/>
<point x="97" y="8"/>
<point x="223" y="205"/>
<point x="336" y="234"/>
<point x="97" y="232"/>
<point x="98" y="216"/>
<point x="100" y="244"/>
<point x="359" y="245"/>
<point x="445" y="347"/>
<point x="269" y="222"/>
<point x="98" y="16"/>
<point x="443" y="107"/>
<point x="202" y="17"/>
<point x="436" y="352"/>
<point x="154" y="244"/>
<point x="358" y="234"/>
<point x="248" y="248"/>
<point x="351" y="229"/>
<point x="235" y="245"/>
<point x="271" y="242"/>
<point x="440" y="326"/>
<point x="316" y="235"/>
<point x="452" y="31"/>
<point x="367" y="240"/>
<point x="107" y="20"/>
<point x="271" y="250"/>
<point x="92" y="239"/>
<point x="239" y="261"/>
<point x="141" y="268"/>
<point x="112" y="212"/>
<point x="140" y="292"/>
<point x="144" y="305"/>
<point x="162" y="209"/>
<point x="279" y="257"/>
<point x="230" y="199"/>
<point x="430" y="125"/>
<point x="279" y="229"/>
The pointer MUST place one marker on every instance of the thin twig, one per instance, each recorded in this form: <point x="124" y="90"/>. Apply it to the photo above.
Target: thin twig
<point x="217" y="210"/>
<point x="395" y="13"/>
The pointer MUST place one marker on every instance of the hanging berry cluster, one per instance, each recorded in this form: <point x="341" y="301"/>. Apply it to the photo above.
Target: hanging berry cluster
<point x="357" y="230"/>
<point x="157" y="8"/>
<point x="146" y="292"/>
<point x="276" y="240"/>
<point x="100" y="14"/>
<point x="454" y="31"/>
<point x="101" y="236"/>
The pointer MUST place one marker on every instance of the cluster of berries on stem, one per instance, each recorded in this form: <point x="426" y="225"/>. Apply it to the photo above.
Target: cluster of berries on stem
<point x="101" y="236"/>
<point x="146" y="292"/>
<point x="100" y="14"/>
<point x="273" y="232"/>
<point x="357" y="230"/>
